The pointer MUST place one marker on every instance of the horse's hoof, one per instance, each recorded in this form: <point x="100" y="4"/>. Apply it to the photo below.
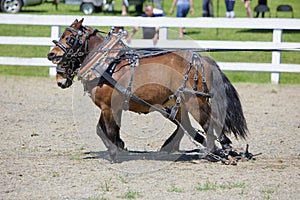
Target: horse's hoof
<point x="120" y="144"/>
<point x="113" y="155"/>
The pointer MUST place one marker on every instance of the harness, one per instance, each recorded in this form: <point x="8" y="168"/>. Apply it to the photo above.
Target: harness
<point x="105" y="66"/>
<point x="168" y="113"/>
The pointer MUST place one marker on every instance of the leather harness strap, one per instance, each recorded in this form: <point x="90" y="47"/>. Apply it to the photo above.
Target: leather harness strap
<point x="132" y="96"/>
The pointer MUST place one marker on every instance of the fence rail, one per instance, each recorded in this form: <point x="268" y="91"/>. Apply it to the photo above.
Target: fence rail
<point x="276" y="46"/>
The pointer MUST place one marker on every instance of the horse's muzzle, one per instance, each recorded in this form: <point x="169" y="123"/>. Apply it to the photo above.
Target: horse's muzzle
<point x="64" y="83"/>
<point x="51" y="56"/>
<point x="54" y="58"/>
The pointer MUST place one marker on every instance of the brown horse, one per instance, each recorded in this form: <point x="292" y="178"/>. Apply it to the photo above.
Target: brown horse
<point x="171" y="82"/>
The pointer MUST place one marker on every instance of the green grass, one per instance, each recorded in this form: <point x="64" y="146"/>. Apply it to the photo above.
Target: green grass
<point x="208" y="185"/>
<point x="267" y="193"/>
<point x="24" y="71"/>
<point x="131" y="195"/>
<point x="175" y="189"/>
<point x="106" y="186"/>
<point x="193" y="33"/>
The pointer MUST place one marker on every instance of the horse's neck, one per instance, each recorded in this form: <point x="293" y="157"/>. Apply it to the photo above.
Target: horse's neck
<point x="94" y="41"/>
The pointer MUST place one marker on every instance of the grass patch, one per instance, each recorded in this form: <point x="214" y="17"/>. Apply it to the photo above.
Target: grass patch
<point x="123" y="179"/>
<point x="208" y="185"/>
<point x="262" y="77"/>
<point x="267" y="193"/>
<point x="76" y="156"/>
<point x="290" y="78"/>
<point x="131" y="195"/>
<point x="24" y="51"/>
<point x="97" y="198"/>
<point x="24" y="71"/>
<point x="106" y="185"/>
<point x="55" y="174"/>
<point x="175" y="189"/>
<point x="251" y="77"/>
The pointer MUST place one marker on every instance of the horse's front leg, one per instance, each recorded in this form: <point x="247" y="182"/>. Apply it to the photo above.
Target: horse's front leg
<point x="172" y="143"/>
<point x="109" y="131"/>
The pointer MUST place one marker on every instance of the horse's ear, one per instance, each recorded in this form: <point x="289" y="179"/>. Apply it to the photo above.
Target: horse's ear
<point x="79" y="24"/>
<point x="75" y="22"/>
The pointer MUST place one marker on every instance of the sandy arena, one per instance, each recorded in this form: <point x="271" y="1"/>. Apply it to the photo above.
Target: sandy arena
<point x="47" y="134"/>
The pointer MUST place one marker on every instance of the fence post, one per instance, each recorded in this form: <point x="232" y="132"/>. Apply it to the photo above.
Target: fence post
<point x="163" y="33"/>
<point x="55" y="32"/>
<point x="276" y="55"/>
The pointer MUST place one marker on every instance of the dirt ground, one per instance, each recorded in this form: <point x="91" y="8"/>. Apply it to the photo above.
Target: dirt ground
<point x="47" y="134"/>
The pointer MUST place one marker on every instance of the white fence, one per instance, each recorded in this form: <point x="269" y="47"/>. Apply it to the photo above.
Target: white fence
<point x="277" y="25"/>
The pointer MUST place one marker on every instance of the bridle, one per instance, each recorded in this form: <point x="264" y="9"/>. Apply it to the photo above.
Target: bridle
<point x="77" y="48"/>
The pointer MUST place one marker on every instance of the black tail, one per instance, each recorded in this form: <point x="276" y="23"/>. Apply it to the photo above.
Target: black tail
<point x="234" y="120"/>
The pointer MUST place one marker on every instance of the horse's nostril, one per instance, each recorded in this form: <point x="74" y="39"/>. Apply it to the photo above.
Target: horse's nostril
<point x="63" y="83"/>
<point x="51" y="56"/>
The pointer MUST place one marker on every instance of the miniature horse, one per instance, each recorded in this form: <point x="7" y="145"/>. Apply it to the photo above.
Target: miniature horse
<point x="173" y="83"/>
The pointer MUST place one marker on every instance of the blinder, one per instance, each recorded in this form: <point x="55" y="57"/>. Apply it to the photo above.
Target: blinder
<point x="60" y="45"/>
<point x="76" y="49"/>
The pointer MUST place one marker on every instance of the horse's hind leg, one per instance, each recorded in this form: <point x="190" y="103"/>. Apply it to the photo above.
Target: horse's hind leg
<point x="213" y="131"/>
<point x="108" y="131"/>
<point x="204" y="121"/>
<point x="225" y="141"/>
<point x="173" y="142"/>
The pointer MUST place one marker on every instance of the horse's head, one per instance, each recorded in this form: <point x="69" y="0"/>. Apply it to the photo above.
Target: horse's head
<point x="70" y="51"/>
